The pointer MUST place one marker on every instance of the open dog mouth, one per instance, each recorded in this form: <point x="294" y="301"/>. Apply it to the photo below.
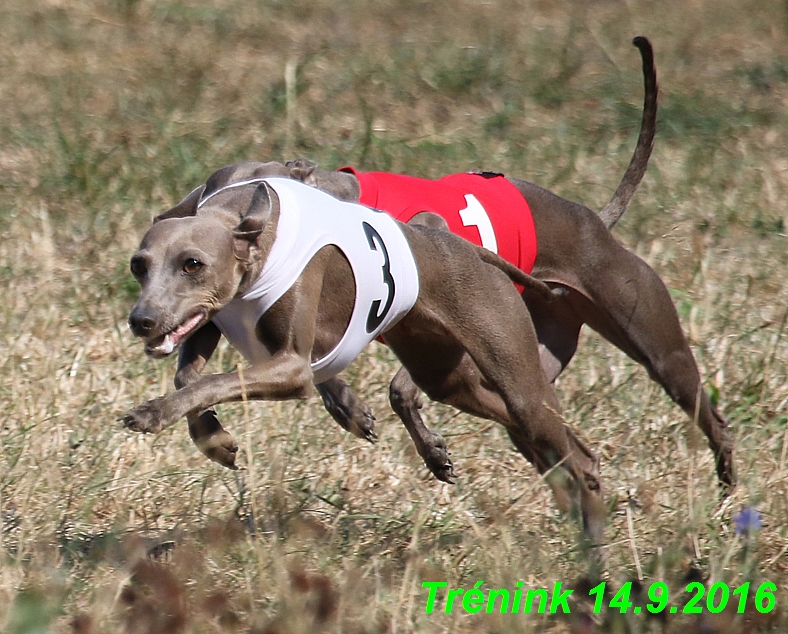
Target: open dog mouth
<point x="166" y="344"/>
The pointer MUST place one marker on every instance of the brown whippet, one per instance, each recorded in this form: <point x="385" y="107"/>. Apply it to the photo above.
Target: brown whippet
<point x="609" y="288"/>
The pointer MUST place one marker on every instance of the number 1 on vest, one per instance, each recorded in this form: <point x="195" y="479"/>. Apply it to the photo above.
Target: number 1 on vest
<point x="475" y="215"/>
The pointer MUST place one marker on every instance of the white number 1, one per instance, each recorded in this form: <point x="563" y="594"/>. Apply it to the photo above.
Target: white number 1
<point x="474" y="215"/>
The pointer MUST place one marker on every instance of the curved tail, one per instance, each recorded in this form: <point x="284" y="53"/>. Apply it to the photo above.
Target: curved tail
<point x="637" y="165"/>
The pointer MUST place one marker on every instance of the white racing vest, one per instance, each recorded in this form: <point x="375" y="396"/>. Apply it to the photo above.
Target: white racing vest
<point x="387" y="280"/>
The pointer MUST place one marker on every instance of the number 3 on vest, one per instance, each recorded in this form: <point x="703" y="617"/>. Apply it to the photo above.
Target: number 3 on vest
<point x="375" y="318"/>
<point x="475" y="215"/>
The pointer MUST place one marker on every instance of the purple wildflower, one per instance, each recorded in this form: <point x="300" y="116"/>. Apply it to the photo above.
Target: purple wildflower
<point x="748" y="521"/>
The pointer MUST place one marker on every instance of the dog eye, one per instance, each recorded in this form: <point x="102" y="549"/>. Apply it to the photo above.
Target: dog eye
<point x="191" y="266"/>
<point x="138" y="268"/>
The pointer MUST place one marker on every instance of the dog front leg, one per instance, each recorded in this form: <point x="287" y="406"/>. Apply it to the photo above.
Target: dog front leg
<point x="284" y="376"/>
<point x="406" y="402"/>
<point x="206" y="431"/>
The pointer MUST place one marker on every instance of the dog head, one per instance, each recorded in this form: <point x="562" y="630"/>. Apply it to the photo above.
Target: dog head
<point x="199" y="255"/>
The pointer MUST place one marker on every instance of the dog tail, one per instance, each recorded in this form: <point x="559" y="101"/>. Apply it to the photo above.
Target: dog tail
<point x="520" y="277"/>
<point x="637" y="166"/>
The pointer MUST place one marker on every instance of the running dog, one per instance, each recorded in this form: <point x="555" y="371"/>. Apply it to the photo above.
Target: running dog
<point x="300" y="282"/>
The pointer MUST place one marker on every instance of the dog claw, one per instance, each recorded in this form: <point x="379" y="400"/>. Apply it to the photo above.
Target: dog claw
<point x="436" y="457"/>
<point x="446" y="473"/>
<point x="361" y="422"/>
<point x="220" y="448"/>
<point x="352" y="414"/>
<point x="440" y="465"/>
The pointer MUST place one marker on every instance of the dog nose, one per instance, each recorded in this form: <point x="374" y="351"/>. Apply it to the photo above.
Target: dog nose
<point x="141" y="324"/>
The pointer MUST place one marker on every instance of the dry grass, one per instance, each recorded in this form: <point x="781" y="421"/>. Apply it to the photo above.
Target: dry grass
<point x="113" y="109"/>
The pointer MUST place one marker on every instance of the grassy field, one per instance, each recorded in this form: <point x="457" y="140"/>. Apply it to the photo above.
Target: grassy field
<point x="112" y="110"/>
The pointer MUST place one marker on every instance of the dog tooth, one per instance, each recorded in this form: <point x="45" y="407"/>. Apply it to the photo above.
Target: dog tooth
<point x="166" y="346"/>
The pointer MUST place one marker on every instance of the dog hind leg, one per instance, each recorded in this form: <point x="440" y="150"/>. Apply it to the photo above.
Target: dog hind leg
<point x="537" y="430"/>
<point x="632" y="309"/>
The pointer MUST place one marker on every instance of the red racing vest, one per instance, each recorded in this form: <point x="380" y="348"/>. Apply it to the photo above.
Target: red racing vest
<point x="484" y="208"/>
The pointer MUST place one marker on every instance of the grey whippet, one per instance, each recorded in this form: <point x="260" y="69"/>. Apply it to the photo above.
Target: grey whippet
<point x="208" y="265"/>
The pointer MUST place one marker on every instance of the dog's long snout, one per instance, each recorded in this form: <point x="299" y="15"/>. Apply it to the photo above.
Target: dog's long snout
<point x="141" y="323"/>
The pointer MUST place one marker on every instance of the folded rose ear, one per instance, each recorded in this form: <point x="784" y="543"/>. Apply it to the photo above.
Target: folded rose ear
<point x="253" y="221"/>
<point x="301" y="169"/>
<point x="225" y="176"/>
<point x="187" y="207"/>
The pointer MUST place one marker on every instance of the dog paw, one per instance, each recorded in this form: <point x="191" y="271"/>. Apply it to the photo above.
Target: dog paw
<point x="445" y="473"/>
<point x="352" y="414"/>
<point x="223" y="454"/>
<point x="436" y="457"/>
<point x="213" y="440"/>
<point x="220" y="447"/>
<point x="147" y="418"/>
<point x="362" y="422"/>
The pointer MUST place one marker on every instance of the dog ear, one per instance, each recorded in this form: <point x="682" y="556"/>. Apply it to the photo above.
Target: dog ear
<point x="226" y="175"/>
<point x="253" y="220"/>
<point x="187" y="207"/>
<point x="244" y="170"/>
<point x="301" y="169"/>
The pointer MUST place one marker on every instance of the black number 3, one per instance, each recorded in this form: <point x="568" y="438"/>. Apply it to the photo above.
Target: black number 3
<point x="374" y="318"/>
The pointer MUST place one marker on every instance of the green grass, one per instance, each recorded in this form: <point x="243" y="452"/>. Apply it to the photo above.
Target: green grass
<point x="115" y="109"/>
